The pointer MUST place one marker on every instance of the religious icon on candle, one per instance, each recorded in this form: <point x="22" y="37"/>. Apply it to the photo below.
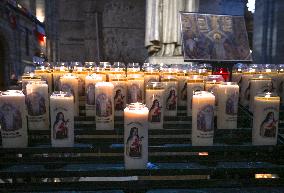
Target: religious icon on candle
<point x="155" y="111"/>
<point x="10" y="117"/>
<point x="60" y="127"/>
<point x="268" y="126"/>
<point x="171" y="100"/>
<point x="205" y="119"/>
<point x="231" y="105"/>
<point x="119" y="100"/>
<point x="35" y="104"/>
<point x="134" y="144"/>
<point x="103" y="106"/>
<point x="134" y="93"/>
<point x="90" y="94"/>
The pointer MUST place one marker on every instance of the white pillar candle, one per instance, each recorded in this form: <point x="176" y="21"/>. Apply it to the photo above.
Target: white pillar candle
<point x="104" y="106"/>
<point x="56" y="75"/>
<point x="194" y="83"/>
<point x="27" y="78"/>
<point x="265" y="119"/>
<point x="245" y="88"/>
<point x="136" y="136"/>
<point x="81" y="74"/>
<point x="13" y="119"/>
<point x="46" y="76"/>
<point x="62" y="119"/>
<point x="211" y="85"/>
<point x="258" y="84"/>
<point x="90" y="83"/>
<point x="69" y="83"/>
<point x="236" y="77"/>
<point x="154" y="102"/>
<point x="37" y="101"/>
<point x="182" y="88"/>
<point x="119" y="82"/>
<point x="203" y="103"/>
<point x="135" y="88"/>
<point x="228" y="95"/>
<point x="153" y="76"/>
<point x="170" y="95"/>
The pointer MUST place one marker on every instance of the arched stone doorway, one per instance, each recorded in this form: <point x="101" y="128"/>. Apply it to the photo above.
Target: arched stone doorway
<point x="2" y="64"/>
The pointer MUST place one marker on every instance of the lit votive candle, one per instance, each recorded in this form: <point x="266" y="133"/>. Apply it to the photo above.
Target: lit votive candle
<point x="136" y="136"/>
<point x="104" y="106"/>
<point x="154" y="102"/>
<point x="62" y="119"/>
<point x="135" y="88"/>
<point x="28" y="78"/>
<point x="258" y="84"/>
<point x="13" y="119"/>
<point x="46" y="76"/>
<point x="57" y="73"/>
<point x="237" y="72"/>
<point x="265" y="119"/>
<point x="170" y="95"/>
<point x="119" y="82"/>
<point x="90" y="83"/>
<point x="228" y="95"/>
<point x="202" y="118"/>
<point x="37" y="101"/>
<point x="69" y="83"/>
<point x="245" y="83"/>
<point x="151" y="74"/>
<point x="194" y="83"/>
<point x="212" y="83"/>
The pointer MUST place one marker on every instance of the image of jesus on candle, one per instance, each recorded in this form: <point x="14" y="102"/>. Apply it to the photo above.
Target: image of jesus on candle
<point x="205" y="119"/>
<point x="268" y="126"/>
<point x="134" y="144"/>
<point x="91" y="94"/>
<point x="171" y="100"/>
<point x="155" y="112"/>
<point x="103" y="106"/>
<point x="232" y="104"/>
<point x="60" y="127"/>
<point x="35" y="104"/>
<point x="118" y="100"/>
<point x="10" y="117"/>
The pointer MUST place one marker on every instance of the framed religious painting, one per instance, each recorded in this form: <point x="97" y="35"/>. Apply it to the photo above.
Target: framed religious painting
<point x="208" y="37"/>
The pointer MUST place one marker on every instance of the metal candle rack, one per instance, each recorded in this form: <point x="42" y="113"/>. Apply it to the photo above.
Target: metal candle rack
<point x="96" y="160"/>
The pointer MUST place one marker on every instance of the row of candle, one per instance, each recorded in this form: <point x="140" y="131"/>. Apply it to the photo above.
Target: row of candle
<point x="260" y="78"/>
<point x="136" y="123"/>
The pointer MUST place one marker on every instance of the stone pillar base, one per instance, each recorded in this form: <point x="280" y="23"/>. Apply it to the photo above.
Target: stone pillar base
<point x="167" y="60"/>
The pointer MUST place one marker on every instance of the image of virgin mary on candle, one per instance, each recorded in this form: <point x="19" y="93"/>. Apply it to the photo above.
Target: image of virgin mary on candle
<point x="155" y="112"/>
<point x="10" y="117"/>
<point x="232" y="104"/>
<point x="35" y="104"/>
<point x="103" y="105"/>
<point x="205" y="119"/>
<point x="134" y="144"/>
<point x="171" y="102"/>
<point x="90" y="94"/>
<point x="134" y="93"/>
<point x="268" y="126"/>
<point x="119" y="100"/>
<point x="60" y="127"/>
